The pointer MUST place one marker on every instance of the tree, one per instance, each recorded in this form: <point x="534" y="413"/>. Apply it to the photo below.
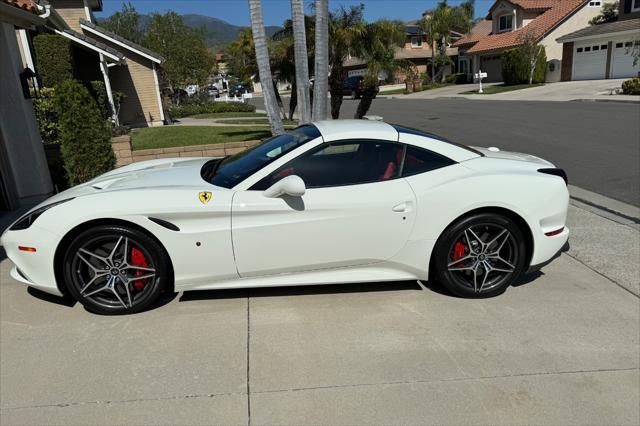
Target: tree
<point x="376" y="47"/>
<point x="301" y="62"/>
<point x="531" y="51"/>
<point x="241" y="56"/>
<point x="429" y="30"/>
<point x="609" y="13"/>
<point x="54" y="59"/>
<point x="346" y="26"/>
<point x="85" y="136"/>
<point x="321" y="69"/>
<point x="264" y="69"/>
<point x="125" y="23"/>
<point x="187" y="59"/>
<point x="446" y="19"/>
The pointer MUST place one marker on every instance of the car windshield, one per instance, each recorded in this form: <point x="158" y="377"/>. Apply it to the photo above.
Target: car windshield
<point x="233" y="169"/>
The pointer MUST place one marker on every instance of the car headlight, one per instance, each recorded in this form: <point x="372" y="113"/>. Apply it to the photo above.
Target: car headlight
<point x="27" y="220"/>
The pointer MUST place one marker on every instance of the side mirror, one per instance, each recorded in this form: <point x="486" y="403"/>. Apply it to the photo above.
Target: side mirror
<point x="291" y="185"/>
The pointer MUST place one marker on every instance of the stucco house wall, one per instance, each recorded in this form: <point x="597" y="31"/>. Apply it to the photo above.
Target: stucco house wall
<point x="578" y="20"/>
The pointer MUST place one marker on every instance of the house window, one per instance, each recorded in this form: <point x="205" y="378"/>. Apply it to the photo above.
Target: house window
<point x="635" y="6"/>
<point x="579" y="49"/>
<point x="587" y="49"/>
<point x="416" y="41"/>
<point x="596" y="48"/>
<point x="505" y="23"/>
<point x="618" y="45"/>
<point x="603" y="47"/>
<point x="594" y="3"/>
<point x="627" y="44"/>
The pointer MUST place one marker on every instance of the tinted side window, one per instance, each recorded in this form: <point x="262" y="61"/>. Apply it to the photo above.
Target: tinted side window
<point x="342" y="163"/>
<point x="420" y="160"/>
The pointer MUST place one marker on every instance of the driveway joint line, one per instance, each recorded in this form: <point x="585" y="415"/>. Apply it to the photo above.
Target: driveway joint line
<point x="603" y="275"/>
<point x="455" y="379"/>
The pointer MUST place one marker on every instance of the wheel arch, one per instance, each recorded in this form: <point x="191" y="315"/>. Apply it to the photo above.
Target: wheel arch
<point x="75" y="231"/>
<point x="519" y="221"/>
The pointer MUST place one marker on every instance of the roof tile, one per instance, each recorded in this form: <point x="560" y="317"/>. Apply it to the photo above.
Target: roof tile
<point x="28" y="5"/>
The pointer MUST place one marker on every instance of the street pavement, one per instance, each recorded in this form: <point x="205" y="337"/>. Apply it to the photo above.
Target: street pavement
<point x="597" y="143"/>
<point x="561" y="347"/>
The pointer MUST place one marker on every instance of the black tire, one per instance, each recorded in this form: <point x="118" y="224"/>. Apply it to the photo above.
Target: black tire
<point x="87" y="268"/>
<point x="460" y="265"/>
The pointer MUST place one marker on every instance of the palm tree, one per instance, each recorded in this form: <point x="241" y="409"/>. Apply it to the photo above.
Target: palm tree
<point x="301" y="61"/>
<point x="427" y="26"/>
<point x="264" y="69"/>
<point x="376" y="47"/>
<point x="446" y="19"/>
<point x="346" y="26"/>
<point x="321" y="74"/>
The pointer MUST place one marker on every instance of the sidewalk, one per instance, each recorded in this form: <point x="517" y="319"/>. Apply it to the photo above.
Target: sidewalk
<point x="588" y="90"/>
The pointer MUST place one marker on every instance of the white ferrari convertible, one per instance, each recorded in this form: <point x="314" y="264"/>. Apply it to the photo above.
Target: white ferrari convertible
<point x="330" y="202"/>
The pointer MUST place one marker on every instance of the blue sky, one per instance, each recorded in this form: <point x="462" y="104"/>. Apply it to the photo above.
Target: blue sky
<point x="276" y="11"/>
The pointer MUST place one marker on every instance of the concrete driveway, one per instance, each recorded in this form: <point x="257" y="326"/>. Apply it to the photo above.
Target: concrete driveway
<point x="562" y="347"/>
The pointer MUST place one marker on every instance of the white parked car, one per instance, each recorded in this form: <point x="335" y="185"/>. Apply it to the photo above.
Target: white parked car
<point x="331" y="202"/>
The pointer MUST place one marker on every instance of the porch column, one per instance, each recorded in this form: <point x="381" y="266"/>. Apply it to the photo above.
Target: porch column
<point x="107" y="85"/>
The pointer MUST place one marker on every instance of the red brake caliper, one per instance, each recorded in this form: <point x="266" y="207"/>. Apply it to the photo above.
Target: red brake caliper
<point x="458" y="250"/>
<point x="138" y="259"/>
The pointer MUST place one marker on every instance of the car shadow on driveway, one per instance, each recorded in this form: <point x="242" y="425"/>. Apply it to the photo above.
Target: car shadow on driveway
<point x="303" y="290"/>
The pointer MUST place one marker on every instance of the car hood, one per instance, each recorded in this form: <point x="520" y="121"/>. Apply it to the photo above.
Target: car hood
<point x="163" y="173"/>
<point x="508" y="155"/>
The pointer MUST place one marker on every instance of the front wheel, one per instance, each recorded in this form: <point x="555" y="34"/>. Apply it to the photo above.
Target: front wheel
<point x="480" y="256"/>
<point x="115" y="270"/>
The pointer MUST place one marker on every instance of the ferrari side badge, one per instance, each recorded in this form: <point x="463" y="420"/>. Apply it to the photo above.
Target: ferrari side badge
<point x="205" y="197"/>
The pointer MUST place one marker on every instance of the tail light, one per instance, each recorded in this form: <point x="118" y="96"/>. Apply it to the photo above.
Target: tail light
<point x="556" y="172"/>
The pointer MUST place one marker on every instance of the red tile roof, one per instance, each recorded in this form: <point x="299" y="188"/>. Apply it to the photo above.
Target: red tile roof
<point x="479" y="30"/>
<point x="28" y="5"/>
<point x="540" y="26"/>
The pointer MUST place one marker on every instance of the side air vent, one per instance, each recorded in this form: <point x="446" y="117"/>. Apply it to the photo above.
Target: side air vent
<point x="164" y="224"/>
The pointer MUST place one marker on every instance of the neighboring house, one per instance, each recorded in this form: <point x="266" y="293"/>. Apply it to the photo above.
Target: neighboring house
<point x="415" y="50"/>
<point x="102" y="55"/>
<point x="24" y="174"/>
<point x="547" y="20"/>
<point x="465" y="62"/>
<point x="603" y="51"/>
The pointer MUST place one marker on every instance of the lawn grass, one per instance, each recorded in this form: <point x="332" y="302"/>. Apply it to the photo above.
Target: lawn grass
<point x="169" y="136"/>
<point x="228" y="115"/>
<point x="500" y="88"/>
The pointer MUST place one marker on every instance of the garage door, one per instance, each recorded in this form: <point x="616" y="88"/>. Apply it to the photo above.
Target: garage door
<point x="622" y="62"/>
<point x="492" y="65"/>
<point x="590" y="62"/>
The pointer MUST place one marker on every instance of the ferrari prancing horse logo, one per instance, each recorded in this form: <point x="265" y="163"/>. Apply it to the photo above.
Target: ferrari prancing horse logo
<point x="205" y="197"/>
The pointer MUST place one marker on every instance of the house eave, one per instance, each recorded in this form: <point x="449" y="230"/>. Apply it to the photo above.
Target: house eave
<point x="20" y="17"/>
<point x="119" y="43"/>
<point x="91" y="46"/>
<point x="597" y="36"/>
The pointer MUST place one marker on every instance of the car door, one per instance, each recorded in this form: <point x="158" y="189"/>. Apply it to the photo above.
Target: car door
<point x="355" y="211"/>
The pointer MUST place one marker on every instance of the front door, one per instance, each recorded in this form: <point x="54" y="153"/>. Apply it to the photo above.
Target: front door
<point x="355" y="211"/>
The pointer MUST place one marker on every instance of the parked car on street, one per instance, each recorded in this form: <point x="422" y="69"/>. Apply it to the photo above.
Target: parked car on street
<point x="213" y="91"/>
<point x="354" y="87"/>
<point x="238" y="90"/>
<point x="331" y="202"/>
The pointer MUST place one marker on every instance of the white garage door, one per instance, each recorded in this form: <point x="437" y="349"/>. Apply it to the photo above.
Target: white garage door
<point x="590" y="62"/>
<point x="622" y="62"/>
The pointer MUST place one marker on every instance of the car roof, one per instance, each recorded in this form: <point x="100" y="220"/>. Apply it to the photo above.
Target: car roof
<point x="332" y="130"/>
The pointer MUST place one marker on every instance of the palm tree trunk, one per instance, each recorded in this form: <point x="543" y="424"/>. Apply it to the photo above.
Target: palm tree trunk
<point x="321" y="83"/>
<point x="301" y="62"/>
<point x="264" y="69"/>
<point x="443" y="52"/>
<point x="335" y="87"/>
<point x="279" y="100"/>
<point x="368" y="94"/>
<point x="293" y="101"/>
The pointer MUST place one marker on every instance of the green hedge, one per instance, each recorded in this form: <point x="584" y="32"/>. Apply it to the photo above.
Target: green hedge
<point x="46" y="117"/>
<point x="515" y="67"/>
<point x="54" y="61"/>
<point x="186" y="109"/>
<point x="85" y="136"/>
<point x="631" y="87"/>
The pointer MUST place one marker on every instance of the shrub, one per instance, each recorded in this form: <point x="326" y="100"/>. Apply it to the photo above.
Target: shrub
<point x="54" y="59"/>
<point x="631" y="87"/>
<point x="515" y="67"/>
<point x="84" y="134"/>
<point x="98" y="91"/>
<point x="458" y="78"/>
<point x="186" y="109"/>
<point x="46" y="116"/>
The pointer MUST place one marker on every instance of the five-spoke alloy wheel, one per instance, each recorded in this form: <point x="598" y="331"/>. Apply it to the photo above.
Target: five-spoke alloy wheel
<point x="115" y="270"/>
<point x="480" y="256"/>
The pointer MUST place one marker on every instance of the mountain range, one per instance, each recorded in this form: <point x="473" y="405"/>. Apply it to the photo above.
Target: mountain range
<point x="218" y="33"/>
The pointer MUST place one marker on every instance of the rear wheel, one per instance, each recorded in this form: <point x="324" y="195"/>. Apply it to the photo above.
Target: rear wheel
<point x="480" y="256"/>
<point x="115" y="270"/>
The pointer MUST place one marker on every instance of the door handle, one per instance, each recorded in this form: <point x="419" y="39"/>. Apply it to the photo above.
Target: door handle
<point x="402" y="207"/>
